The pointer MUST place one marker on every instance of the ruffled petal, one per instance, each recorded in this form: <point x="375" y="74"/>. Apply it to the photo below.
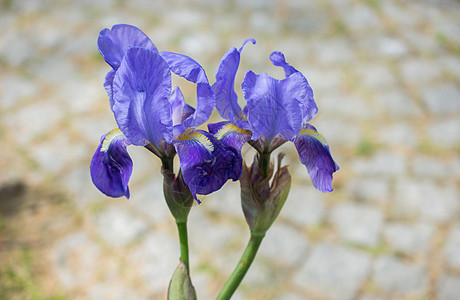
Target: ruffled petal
<point x="226" y="98"/>
<point x="108" y="85"/>
<point x="114" y="43"/>
<point x="180" y="111"/>
<point x="307" y="103"/>
<point x="186" y="67"/>
<point x="278" y="60"/>
<point x="229" y="134"/>
<point x="111" y="166"/>
<point x="141" y="91"/>
<point x="206" y="163"/>
<point x="274" y="106"/>
<point x="315" y="155"/>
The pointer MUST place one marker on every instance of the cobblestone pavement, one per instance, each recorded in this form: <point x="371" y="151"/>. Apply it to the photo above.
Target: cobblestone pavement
<point x="386" y="77"/>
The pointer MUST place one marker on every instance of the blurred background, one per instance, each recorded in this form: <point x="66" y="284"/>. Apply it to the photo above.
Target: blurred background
<point x="386" y="78"/>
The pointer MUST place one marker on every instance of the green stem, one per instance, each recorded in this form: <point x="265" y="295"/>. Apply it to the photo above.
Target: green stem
<point x="238" y="274"/>
<point x="183" y="240"/>
<point x="264" y="162"/>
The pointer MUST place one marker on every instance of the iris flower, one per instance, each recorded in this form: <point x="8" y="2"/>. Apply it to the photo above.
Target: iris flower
<point x="150" y="113"/>
<point x="277" y="111"/>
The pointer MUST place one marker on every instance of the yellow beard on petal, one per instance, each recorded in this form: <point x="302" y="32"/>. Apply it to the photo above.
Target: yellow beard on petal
<point x="313" y="134"/>
<point x="228" y="129"/>
<point x="199" y="137"/>
<point x="112" y="135"/>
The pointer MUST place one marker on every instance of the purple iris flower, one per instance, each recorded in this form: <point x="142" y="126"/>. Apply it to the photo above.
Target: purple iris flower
<point x="277" y="111"/>
<point x="150" y="113"/>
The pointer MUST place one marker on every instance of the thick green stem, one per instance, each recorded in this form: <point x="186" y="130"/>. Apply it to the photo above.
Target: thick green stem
<point x="238" y="274"/>
<point x="183" y="240"/>
<point x="264" y="163"/>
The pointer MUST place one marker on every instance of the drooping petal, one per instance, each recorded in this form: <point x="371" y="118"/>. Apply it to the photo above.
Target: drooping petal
<point x="315" y="155"/>
<point x="226" y="98"/>
<point x="114" y="43"/>
<point x="141" y="91"/>
<point x="274" y="106"/>
<point x="307" y="103"/>
<point x="229" y="134"/>
<point x="186" y="67"/>
<point x="111" y="166"/>
<point x="206" y="163"/>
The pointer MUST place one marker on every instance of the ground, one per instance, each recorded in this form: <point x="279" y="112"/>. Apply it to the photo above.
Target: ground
<point x="386" y="79"/>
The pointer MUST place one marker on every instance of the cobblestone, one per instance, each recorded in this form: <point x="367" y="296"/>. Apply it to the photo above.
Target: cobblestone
<point x="395" y="277"/>
<point x="333" y="271"/>
<point x="386" y="78"/>
<point x="451" y="253"/>
<point x="358" y="224"/>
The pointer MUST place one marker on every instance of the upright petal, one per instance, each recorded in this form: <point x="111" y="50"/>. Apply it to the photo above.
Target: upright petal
<point x="180" y="111"/>
<point x="315" y="155"/>
<point x="111" y="166"/>
<point x="307" y="103"/>
<point x="114" y="43"/>
<point x="226" y="98"/>
<point x="108" y="85"/>
<point x="278" y="60"/>
<point x="274" y="107"/>
<point x="205" y="162"/>
<point x="141" y="91"/>
<point x="186" y="67"/>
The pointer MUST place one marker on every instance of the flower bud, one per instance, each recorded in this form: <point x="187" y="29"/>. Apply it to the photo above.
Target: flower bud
<point x="262" y="201"/>
<point x="180" y="286"/>
<point x="177" y="195"/>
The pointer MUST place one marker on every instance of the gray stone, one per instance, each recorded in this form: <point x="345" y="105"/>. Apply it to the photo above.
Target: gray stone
<point x="395" y="277"/>
<point x="418" y="72"/>
<point x="398" y="105"/>
<point x="15" y="89"/>
<point x="384" y="46"/>
<point x="74" y="257"/>
<point x="333" y="130"/>
<point x="445" y="133"/>
<point x="291" y="296"/>
<point x="451" y="64"/>
<point x="155" y="260"/>
<point x="398" y="135"/>
<point x="112" y="291"/>
<point x="375" y="76"/>
<point x="337" y="50"/>
<point x="451" y="248"/>
<point x="425" y="200"/>
<point x="359" y="224"/>
<point x="118" y="227"/>
<point x="409" y="238"/>
<point x="449" y="288"/>
<point x="284" y="245"/>
<point x="443" y="99"/>
<point x="371" y="298"/>
<point x="382" y="163"/>
<point x="148" y="199"/>
<point x="369" y="189"/>
<point x="431" y="167"/>
<point x="226" y="201"/>
<point x="334" y="272"/>
<point x="359" y="18"/>
<point x="304" y="206"/>
<point x="355" y="108"/>
<point x="33" y="120"/>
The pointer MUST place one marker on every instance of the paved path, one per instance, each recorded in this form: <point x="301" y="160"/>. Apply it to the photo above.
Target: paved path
<point x="386" y="77"/>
